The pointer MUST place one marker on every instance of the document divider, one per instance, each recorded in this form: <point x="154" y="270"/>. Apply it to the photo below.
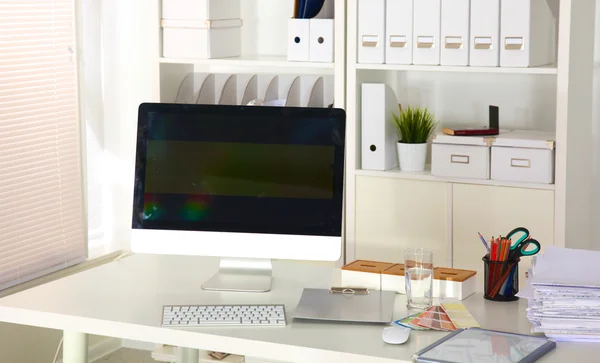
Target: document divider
<point x="229" y="92"/>
<point x="272" y="92"/>
<point x="455" y="33"/>
<point x="426" y="32"/>
<point x="245" y="89"/>
<point x="190" y="88"/>
<point x="371" y="31"/>
<point x="206" y="96"/>
<point x="293" y="98"/>
<point x="251" y="91"/>
<point x="399" y="32"/>
<point x="485" y="33"/>
<point x="316" y="98"/>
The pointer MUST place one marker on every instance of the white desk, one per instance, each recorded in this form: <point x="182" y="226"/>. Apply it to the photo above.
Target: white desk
<point x="124" y="299"/>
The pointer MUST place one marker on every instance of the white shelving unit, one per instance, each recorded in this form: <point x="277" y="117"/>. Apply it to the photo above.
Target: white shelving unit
<point x="258" y="63"/>
<point x="386" y="210"/>
<point x="389" y="210"/>
<point x="264" y="52"/>
<point x="426" y="176"/>
<point x="550" y="70"/>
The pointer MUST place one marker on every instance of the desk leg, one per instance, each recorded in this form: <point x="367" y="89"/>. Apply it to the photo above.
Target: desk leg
<point x="187" y="355"/>
<point x="75" y="347"/>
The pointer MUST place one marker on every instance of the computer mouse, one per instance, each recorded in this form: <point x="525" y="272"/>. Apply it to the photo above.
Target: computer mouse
<point x="395" y="335"/>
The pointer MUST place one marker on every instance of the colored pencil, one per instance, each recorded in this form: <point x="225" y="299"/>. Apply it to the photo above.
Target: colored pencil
<point x="484" y="242"/>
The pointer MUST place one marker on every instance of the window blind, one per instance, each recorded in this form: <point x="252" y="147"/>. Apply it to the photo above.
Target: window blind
<point x="42" y="226"/>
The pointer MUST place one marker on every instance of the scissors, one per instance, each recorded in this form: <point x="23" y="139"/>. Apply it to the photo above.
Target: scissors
<point x="519" y="249"/>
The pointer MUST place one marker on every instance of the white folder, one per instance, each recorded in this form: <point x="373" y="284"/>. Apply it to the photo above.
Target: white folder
<point x="426" y="32"/>
<point x="298" y="40"/>
<point x="485" y="33"/>
<point x="321" y="40"/>
<point x="528" y="29"/>
<point x="455" y="33"/>
<point x="379" y="138"/>
<point x="399" y="31"/>
<point x="371" y="31"/>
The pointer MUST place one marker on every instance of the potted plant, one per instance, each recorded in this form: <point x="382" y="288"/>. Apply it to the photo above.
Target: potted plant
<point x="414" y="126"/>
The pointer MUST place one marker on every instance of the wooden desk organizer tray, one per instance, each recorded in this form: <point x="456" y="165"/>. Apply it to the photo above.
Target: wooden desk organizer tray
<point x="375" y="275"/>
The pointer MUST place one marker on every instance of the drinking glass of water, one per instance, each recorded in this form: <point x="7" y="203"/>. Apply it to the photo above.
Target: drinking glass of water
<point x="418" y="277"/>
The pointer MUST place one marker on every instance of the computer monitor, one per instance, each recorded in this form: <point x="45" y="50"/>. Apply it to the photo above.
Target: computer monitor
<point x="244" y="183"/>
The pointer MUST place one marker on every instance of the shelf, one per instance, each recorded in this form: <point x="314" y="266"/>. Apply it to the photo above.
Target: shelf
<point x="270" y="63"/>
<point x="426" y="176"/>
<point x="544" y="70"/>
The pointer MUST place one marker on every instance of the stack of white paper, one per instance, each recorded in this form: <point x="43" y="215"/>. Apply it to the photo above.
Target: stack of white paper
<point x="563" y="288"/>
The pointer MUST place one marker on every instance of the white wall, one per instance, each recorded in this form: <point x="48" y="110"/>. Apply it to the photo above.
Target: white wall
<point x="595" y="203"/>
<point x="128" y="66"/>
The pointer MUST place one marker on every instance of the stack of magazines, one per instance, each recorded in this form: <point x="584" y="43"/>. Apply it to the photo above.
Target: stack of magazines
<point x="563" y="289"/>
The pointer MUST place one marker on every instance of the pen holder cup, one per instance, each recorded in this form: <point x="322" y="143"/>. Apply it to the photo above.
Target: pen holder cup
<point x="501" y="279"/>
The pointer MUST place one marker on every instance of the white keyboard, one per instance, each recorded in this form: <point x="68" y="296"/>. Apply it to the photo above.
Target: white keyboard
<point x="211" y="315"/>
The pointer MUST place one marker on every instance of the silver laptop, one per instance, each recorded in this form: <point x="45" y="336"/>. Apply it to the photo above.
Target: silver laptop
<point x="372" y="307"/>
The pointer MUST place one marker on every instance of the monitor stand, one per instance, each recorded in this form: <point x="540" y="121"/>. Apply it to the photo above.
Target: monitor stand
<point x="241" y="275"/>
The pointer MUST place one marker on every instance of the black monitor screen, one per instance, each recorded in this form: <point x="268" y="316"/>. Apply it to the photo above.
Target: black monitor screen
<point x="239" y="169"/>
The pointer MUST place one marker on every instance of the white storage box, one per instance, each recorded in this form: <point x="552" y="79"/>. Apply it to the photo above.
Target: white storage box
<point x="461" y="156"/>
<point x="201" y="9"/>
<point x="524" y="156"/>
<point x="366" y="274"/>
<point x="202" y="39"/>
<point x="527" y="33"/>
<point x="392" y="279"/>
<point x="449" y="283"/>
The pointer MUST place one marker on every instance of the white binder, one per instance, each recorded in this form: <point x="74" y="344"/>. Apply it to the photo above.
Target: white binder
<point x="426" y="32"/>
<point x="379" y="151"/>
<point x="321" y="40"/>
<point x="371" y="31"/>
<point x="399" y="31"/>
<point x="455" y="33"/>
<point x="528" y="29"/>
<point x="298" y="40"/>
<point x="485" y="33"/>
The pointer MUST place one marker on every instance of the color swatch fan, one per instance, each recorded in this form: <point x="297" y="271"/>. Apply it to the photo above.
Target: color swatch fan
<point x="434" y="318"/>
<point x="460" y="316"/>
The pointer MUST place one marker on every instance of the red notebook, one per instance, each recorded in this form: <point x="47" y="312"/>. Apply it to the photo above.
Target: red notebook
<point x="469" y="131"/>
<point x="492" y="129"/>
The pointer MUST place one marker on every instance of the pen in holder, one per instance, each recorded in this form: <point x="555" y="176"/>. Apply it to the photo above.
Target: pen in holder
<point x="501" y="279"/>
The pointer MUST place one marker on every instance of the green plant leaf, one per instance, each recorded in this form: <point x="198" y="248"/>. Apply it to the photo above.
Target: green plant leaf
<point x="414" y="125"/>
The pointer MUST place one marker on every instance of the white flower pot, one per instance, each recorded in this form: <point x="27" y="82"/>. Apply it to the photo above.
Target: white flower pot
<point x="412" y="156"/>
